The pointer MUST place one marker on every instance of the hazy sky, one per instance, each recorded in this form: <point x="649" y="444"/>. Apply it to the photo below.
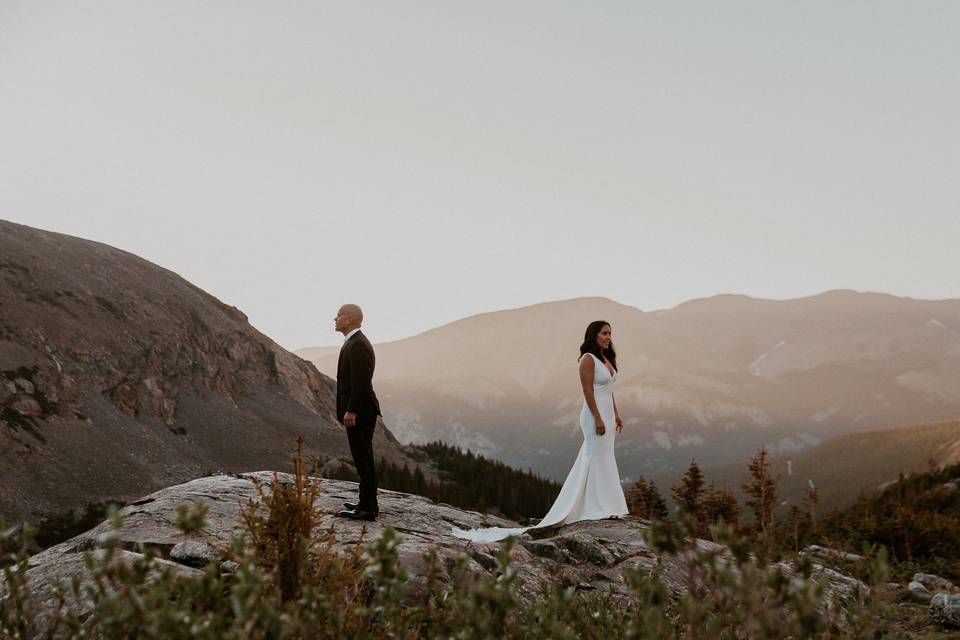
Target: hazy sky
<point x="434" y="160"/>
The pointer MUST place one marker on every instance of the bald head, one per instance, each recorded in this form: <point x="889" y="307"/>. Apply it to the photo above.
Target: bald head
<point x="349" y="317"/>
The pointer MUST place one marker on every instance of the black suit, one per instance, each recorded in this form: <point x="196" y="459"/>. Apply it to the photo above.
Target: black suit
<point x="355" y="395"/>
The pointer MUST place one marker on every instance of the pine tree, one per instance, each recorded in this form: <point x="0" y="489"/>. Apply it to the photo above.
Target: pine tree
<point x="795" y="517"/>
<point x="645" y="501"/>
<point x="761" y="492"/>
<point x="689" y="496"/>
<point x="810" y="502"/>
<point x="720" y="505"/>
<point x="419" y="481"/>
<point x="635" y="496"/>
<point x="656" y="505"/>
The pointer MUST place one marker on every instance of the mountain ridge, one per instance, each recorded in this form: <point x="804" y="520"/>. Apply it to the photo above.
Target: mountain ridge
<point x="118" y="376"/>
<point x="713" y="378"/>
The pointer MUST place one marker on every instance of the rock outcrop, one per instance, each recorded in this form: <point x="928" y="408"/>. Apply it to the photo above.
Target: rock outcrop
<point x="943" y="596"/>
<point x="935" y="584"/>
<point x="118" y="377"/>
<point x="918" y="591"/>
<point x="589" y="555"/>
<point x="835" y="555"/>
<point x="945" y="610"/>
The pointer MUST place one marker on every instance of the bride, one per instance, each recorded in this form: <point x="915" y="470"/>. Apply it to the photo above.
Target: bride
<point x="592" y="489"/>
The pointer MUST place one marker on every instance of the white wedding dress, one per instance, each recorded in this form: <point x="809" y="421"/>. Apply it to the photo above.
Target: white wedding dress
<point x="592" y="489"/>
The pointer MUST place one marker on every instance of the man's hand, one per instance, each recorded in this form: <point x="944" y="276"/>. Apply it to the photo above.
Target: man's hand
<point x="349" y="419"/>
<point x="619" y="424"/>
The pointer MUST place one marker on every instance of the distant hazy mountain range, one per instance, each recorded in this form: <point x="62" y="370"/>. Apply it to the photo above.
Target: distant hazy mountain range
<point x="118" y="377"/>
<point x="710" y="379"/>
<point x="841" y="467"/>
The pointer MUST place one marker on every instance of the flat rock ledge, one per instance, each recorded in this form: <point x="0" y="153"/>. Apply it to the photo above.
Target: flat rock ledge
<point x="591" y="555"/>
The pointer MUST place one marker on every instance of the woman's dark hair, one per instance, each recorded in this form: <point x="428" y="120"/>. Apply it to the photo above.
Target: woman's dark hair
<point x="590" y="343"/>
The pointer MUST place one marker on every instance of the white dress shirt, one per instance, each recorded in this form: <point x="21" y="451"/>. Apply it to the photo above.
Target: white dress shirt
<point x="350" y="333"/>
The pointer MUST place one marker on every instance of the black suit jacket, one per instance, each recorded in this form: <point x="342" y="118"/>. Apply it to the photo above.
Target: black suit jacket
<point x="355" y="378"/>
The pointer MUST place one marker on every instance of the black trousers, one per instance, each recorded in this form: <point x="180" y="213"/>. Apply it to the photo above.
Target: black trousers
<point x="360" y="437"/>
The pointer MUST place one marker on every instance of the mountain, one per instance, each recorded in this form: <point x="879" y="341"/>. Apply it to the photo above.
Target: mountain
<point x="118" y="377"/>
<point x="711" y="379"/>
<point x="843" y="467"/>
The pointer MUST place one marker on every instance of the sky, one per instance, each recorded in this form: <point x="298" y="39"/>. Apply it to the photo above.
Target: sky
<point x="433" y="160"/>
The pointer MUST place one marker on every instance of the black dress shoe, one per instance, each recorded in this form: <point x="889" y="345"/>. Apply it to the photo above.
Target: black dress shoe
<point x="358" y="514"/>
<point x="352" y="506"/>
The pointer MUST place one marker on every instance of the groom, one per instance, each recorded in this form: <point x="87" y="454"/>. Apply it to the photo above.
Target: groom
<point x="357" y="408"/>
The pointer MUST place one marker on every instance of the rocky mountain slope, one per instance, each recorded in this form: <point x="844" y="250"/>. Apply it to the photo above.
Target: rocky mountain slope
<point x="118" y="377"/>
<point x="711" y="379"/>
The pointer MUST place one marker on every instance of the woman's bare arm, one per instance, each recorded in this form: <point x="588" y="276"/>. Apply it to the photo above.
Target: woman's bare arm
<point x="586" y="381"/>
<point x="616" y="414"/>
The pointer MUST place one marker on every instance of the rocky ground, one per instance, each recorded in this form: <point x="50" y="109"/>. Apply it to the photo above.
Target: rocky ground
<point x="589" y="555"/>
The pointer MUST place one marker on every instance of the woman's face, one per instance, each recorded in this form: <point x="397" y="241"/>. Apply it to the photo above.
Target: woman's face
<point x="605" y="337"/>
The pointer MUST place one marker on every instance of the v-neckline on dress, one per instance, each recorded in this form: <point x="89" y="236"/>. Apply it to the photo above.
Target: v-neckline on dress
<point x="613" y="374"/>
